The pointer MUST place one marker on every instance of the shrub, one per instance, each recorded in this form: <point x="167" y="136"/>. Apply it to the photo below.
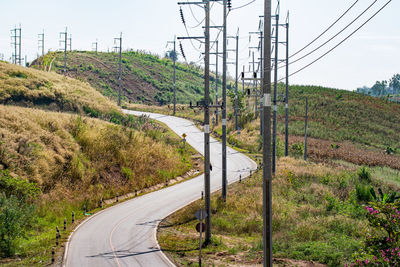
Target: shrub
<point x="363" y="192"/>
<point x="17" y="74"/>
<point x="364" y="174"/>
<point x="389" y="150"/>
<point x="381" y="246"/>
<point x="15" y="212"/>
<point x="15" y="216"/>
<point x="297" y="149"/>
<point x="128" y="173"/>
<point x="18" y="187"/>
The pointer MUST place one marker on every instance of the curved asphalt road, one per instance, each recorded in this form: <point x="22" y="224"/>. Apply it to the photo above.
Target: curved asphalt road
<point x="125" y="234"/>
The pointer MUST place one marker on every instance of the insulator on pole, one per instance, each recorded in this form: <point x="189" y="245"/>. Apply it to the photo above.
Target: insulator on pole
<point x="182" y="17"/>
<point x="182" y="52"/>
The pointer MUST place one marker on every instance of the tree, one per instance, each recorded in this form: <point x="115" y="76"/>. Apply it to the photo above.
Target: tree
<point x="16" y="212"/>
<point x="172" y="55"/>
<point x="379" y="88"/>
<point x="395" y="83"/>
<point x="15" y="216"/>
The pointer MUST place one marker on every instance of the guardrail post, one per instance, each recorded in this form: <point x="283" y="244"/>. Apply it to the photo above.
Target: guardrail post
<point x="53" y="254"/>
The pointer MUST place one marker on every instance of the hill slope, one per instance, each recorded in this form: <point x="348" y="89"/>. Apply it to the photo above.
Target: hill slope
<point x="145" y="78"/>
<point x="59" y="162"/>
<point x="33" y="88"/>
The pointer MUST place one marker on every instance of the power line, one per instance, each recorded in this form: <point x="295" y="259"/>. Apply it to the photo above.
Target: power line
<point x="245" y="5"/>
<point x="319" y="36"/>
<point x="308" y="65"/>
<point x="348" y="25"/>
<point x="191" y="11"/>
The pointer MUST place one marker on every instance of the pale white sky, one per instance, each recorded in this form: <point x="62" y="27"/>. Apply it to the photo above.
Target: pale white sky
<point x="370" y="55"/>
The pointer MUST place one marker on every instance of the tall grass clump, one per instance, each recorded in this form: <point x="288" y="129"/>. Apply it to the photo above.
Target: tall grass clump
<point x="64" y="162"/>
<point x="318" y="215"/>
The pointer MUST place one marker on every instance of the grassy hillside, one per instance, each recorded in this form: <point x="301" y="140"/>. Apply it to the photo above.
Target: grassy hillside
<point x="71" y="162"/>
<point x="340" y="115"/>
<point x="55" y="159"/>
<point x="341" y="125"/>
<point x="318" y="215"/>
<point x="32" y="88"/>
<point x="146" y="78"/>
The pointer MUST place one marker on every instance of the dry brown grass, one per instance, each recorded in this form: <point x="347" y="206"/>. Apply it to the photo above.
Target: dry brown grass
<point x="314" y="219"/>
<point x="67" y="153"/>
<point x="29" y="87"/>
<point x="183" y="111"/>
<point x="322" y="150"/>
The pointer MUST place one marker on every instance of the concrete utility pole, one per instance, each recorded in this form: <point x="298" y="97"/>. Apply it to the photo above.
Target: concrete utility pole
<point x="41" y="42"/>
<point x="216" y="81"/>
<point x="287" y="90"/>
<point x="267" y="174"/>
<point x="16" y="43"/>
<point x="95" y="44"/>
<point x="255" y="87"/>
<point x="244" y="70"/>
<point x="261" y="66"/>
<point x="236" y="81"/>
<point x="65" y="41"/>
<point x="174" y="60"/>
<point x="305" y="130"/>
<point x="275" y="94"/>
<point x="119" y="49"/>
<point x="207" y="122"/>
<point x="224" y="70"/>
<point x="206" y="105"/>
<point x="70" y="42"/>
<point x="262" y="78"/>
<point x="20" y="45"/>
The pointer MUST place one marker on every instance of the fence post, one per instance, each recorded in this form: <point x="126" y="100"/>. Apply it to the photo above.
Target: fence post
<point x="53" y="253"/>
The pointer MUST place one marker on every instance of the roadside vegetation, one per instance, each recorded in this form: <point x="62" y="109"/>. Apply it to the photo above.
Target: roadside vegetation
<point x="67" y="162"/>
<point x="319" y="214"/>
<point x="52" y="164"/>
<point x="64" y="147"/>
<point x="31" y="88"/>
<point x="342" y="125"/>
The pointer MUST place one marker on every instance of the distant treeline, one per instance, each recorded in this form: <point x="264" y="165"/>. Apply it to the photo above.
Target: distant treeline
<point x="383" y="88"/>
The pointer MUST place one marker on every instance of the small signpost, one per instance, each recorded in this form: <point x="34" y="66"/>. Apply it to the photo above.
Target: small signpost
<point x="200" y="227"/>
<point x="184" y="140"/>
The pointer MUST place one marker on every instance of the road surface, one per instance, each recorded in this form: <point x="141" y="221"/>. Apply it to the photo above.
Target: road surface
<point x="125" y="234"/>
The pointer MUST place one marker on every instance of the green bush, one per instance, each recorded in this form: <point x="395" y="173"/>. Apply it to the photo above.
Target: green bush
<point x="17" y="74"/>
<point x="15" y="217"/>
<point x="381" y="246"/>
<point x="363" y="192"/>
<point x="16" y="214"/>
<point x="364" y="174"/>
<point x="297" y="149"/>
<point x="18" y="187"/>
<point x="390" y="150"/>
